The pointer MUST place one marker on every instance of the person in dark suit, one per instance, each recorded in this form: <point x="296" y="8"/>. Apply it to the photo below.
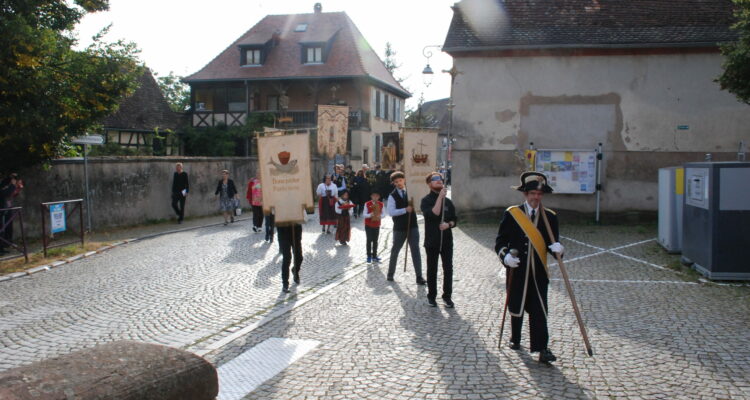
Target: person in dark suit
<point x="180" y="188"/>
<point x="439" y="218"/>
<point x="290" y="244"/>
<point x="522" y="243"/>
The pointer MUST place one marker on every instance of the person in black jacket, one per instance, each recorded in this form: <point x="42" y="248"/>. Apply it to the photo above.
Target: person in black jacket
<point x="439" y="218"/>
<point x="180" y="188"/>
<point x="522" y="243"/>
<point x="228" y="198"/>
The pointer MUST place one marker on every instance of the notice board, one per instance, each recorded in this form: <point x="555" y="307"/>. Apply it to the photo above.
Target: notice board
<point x="569" y="171"/>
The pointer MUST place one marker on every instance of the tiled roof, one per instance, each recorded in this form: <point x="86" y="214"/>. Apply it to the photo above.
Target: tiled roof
<point x="145" y="110"/>
<point x="529" y="24"/>
<point x="350" y="55"/>
<point x="436" y="115"/>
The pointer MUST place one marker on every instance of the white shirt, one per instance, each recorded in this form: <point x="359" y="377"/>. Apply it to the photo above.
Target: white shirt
<point x="528" y="208"/>
<point x="340" y="210"/>
<point x="367" y="214"/>
<point x="321" y="191"/>
<point x="391" y="205"/>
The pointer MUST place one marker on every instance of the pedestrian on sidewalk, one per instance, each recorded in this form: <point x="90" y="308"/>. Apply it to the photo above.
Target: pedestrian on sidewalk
<point x="373" y="213"/>
<point x="344" y="208"/>
<point x="439" y="219"/>
<point x="290" y="243"/>
<point x="523" y="233"/>
<point x="327" y="196"/>
<point x="180" y="189"/>
<point x="254" y="196"/>
<point x="229" y="201"/>
<point x="405" y="227"/>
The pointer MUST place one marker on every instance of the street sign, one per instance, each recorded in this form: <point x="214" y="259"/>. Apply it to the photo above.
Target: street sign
<point x="89" y="139"/>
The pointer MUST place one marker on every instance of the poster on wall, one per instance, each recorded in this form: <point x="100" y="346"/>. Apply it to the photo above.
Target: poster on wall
<point x="284" y="163"/>
<point x="420" y="158"/>
<point x="391" y="154"/>
<point x="568" y="171"/>
<point x="333" y="124"/>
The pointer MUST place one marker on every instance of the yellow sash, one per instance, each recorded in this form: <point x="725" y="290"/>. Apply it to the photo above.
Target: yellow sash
<point x="537" y="241"/>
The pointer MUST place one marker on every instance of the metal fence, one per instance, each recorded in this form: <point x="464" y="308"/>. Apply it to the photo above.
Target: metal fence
<point x="7" y="216"/>
<point x="59" y="213"/>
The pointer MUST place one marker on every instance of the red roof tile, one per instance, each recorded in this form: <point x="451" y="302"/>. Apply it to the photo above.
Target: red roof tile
<point x="350" y="55"/>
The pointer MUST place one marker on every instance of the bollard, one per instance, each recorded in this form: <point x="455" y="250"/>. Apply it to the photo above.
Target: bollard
<point x="122" y="370"/>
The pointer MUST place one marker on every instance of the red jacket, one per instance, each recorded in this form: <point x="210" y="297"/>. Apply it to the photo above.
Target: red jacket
<point x="368" y="221"/>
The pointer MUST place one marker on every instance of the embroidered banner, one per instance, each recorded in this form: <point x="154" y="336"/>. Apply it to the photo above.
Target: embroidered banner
<point x="420" y="158"/>
<point x="284" y="163"/>
<point x="333" y="124"/>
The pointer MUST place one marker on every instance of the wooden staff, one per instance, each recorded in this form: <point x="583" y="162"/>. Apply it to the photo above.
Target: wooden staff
<point x="564" y="272"/>
<point x="514" y="253"/>
<point x="408" y="230"/>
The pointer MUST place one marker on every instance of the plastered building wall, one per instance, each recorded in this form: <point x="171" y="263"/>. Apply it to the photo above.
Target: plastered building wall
<point x="648" y="111"/>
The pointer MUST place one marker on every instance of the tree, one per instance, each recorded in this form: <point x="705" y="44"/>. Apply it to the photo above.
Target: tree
<point x="176" y="92"/>
<point x="736" y="75"/>
<point x="48" y="90"/>
<point x="391" y="64"/>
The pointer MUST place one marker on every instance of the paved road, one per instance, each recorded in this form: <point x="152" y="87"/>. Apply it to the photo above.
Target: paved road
<point x="655" y="333"/>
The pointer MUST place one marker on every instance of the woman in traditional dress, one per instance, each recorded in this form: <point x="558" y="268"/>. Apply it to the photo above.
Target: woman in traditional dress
<point x="228" y="199"/>
<point x="327" y="196"/>
<point x="344" y="210"/>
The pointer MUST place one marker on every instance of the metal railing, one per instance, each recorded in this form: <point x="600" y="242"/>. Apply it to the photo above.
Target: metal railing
<point x="70" y="207"/>
<point x="7" y="216"/>
<point x="292" y="119"/>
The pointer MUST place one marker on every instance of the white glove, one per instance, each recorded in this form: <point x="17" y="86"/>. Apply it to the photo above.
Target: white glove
<point x="557" y="248"/>
<point x="511" y="261"/>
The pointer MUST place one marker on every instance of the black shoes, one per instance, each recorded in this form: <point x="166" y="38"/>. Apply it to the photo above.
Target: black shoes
<point x="448" y="303"/>
<point x="421" y="282"/>
<point x="295" y="272"/>
<point x="389" y="279"/>
<point x="514" y="345"/>
<point x="546" y="356"/>
<point x="285" y="288"/>
<point x="431" y="303"/>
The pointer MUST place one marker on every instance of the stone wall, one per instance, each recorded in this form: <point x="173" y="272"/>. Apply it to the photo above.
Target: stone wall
<point x="134" y="190"/>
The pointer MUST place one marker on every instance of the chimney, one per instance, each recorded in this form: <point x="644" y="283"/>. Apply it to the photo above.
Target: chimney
<point x="318" y="8"/>
<point x="276" y="37"/>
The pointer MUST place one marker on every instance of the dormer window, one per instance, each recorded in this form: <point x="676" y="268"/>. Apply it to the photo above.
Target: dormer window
<point x="301" y="28"/>
<point x="252" y="57"/>
<point x="313" y="55"/>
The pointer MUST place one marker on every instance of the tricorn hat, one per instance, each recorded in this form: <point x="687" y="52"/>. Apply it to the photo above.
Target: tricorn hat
<point x="531" y="180"/>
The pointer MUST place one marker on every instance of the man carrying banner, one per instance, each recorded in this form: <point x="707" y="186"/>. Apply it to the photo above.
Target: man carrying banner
<point x="522" y="243"/>
<point x="404" y="227"/>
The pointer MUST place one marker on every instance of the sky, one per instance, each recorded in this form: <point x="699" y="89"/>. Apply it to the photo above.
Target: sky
<point x="184" y="35"/>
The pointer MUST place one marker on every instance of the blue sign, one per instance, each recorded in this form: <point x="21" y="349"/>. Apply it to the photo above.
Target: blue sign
<point x="683" y="127"/>
<point x="57" y="218"/>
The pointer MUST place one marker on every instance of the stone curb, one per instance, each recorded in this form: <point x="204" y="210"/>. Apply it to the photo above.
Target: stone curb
<point x="55" y="264"/>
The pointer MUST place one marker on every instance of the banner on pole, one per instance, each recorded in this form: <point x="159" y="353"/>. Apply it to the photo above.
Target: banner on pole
<point x="333" y="125"/>
<point x="420" y="158"/>
<point x="57" y="218"/>
<point x="284" y="163"/>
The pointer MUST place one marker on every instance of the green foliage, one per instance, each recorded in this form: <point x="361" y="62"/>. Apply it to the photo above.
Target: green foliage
<point x="48" y="90"/>
<point x="736" y="75"/>
<point x="414" y="117"/>
<point x="175" y="92"/>
<point x="391" y="64"/>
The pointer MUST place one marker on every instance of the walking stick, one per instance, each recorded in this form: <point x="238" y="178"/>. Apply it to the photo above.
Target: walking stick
<point x="513" y="252"/>
<point x="408" y="230"/>
<point x="569" y="288"/>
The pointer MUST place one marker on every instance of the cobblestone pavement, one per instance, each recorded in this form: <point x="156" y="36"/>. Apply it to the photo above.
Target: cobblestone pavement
<point x="655" y="333"/>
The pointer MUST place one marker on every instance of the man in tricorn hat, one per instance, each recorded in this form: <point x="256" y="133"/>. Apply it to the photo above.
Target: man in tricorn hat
<point x="522" y="244"/>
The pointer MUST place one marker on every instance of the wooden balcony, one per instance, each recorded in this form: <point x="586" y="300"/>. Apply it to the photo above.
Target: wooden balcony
<point x="293" y="119"/>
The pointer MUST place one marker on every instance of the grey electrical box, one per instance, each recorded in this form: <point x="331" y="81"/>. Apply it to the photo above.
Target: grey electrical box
<point x="716" y="219"/>
<point x="671" y="198"/>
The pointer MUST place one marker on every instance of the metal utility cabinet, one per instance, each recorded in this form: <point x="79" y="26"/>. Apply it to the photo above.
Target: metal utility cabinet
<point x="716" y="219"/>
<point x="671" y="198"/>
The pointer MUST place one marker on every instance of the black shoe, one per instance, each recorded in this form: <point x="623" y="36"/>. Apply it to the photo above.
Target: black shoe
<point x="546" y="356"/>
<point x="231" y="219"/>
<point x="514" y="346"/>
<point x="389" y="279"/>
<point x="295" y="272"/>
<point x="421" y="282"/>
<point x="448" y="303"/>
<point x="285" y="288"/>
<point x="431" y="303"/>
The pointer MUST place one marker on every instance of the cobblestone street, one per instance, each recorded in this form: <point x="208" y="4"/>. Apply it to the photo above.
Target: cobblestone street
<point x="216" y="291"/>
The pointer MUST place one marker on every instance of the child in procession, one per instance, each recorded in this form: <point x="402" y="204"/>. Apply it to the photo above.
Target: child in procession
<point x="344" y="208"/>
<point x="373" y="214"/>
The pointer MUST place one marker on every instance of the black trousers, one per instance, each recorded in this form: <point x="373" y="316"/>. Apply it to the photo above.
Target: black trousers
<point x="178" y="199"/>
<point x="446" y="256"/>
<point x="269" y="226"/>
<point x="257" y="216"/>
<point x="372" y="240"/>
<point x="538" y="335"/>
<point x="290" y="243"/>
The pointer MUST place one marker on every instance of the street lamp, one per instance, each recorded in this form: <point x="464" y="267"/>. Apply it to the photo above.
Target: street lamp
<point x="427" y="76"/>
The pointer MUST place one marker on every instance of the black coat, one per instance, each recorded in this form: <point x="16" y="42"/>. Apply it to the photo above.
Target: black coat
<point x="432" y="221"/>
<point x="231" y="189"/>
<point x="180" y="183"/>
<point x="511" y="236"/>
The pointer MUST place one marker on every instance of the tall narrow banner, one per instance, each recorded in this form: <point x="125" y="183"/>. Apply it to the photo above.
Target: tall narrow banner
<point x="420" y="158"/>
<point x="391" y="153"/>
<point x="333" y="124"/>
<point x="284" y="163"/>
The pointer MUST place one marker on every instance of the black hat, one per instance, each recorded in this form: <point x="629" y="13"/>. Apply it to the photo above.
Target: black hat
<point x="531" y="180"/>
